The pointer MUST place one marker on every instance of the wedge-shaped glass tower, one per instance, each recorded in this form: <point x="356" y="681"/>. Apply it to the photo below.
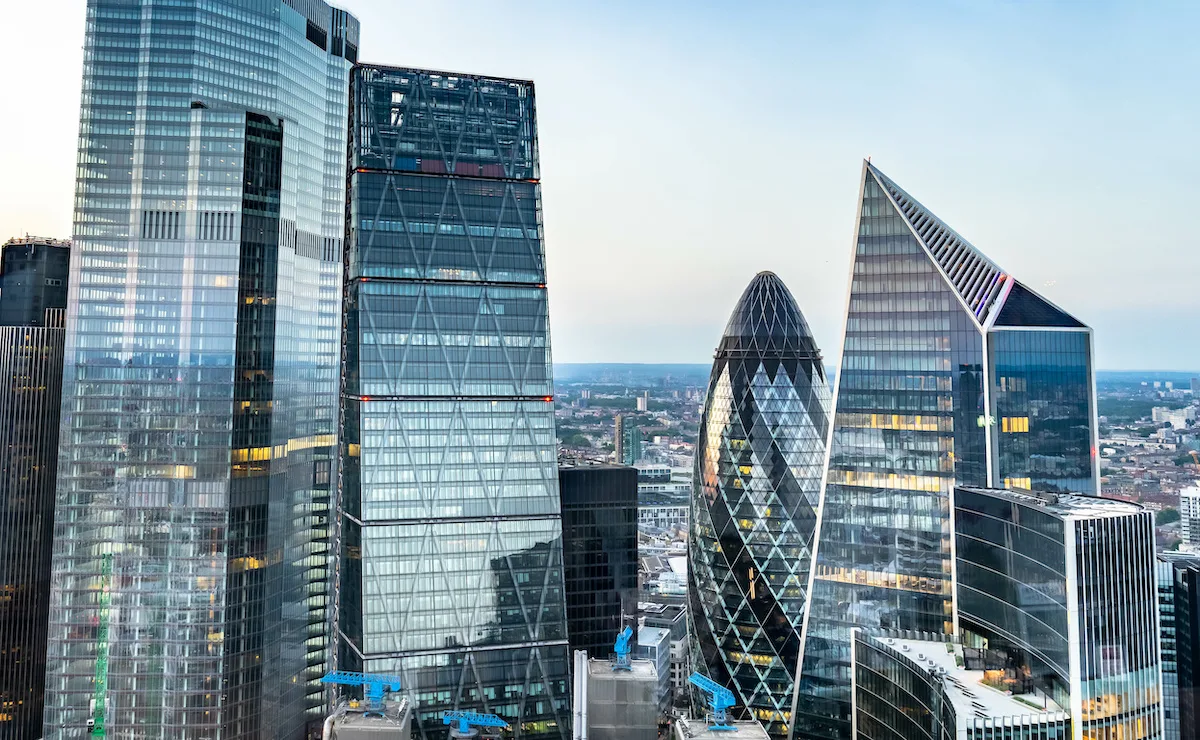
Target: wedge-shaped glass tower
<point x="754" y="501"/>
<point x="952" y="373"/>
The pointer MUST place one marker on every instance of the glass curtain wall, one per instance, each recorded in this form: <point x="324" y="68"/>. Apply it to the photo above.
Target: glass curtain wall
<point x="953" y="373"/>
<point x="452" y="557"/>
<point x="200" y="386"/>
<point x="906" y="427"/>
<point x="755" y="490"/>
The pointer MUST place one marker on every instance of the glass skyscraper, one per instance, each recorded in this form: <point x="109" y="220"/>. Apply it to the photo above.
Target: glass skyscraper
<point x="33" y="302"/>
<point x="757" y="481"/>
<point x="1065" y="587"/>
<point x="600" y="551"/>
<point x="451" y="573"/>
<point x="199" y="416"/>
<point x="952" y="372"/>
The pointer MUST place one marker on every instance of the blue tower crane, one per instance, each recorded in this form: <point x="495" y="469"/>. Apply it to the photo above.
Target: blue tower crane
<point x="467" y="720"/>
<point x="719" y="699"/>
<point x="374" y="687"/>
<point x="622" y="649"/>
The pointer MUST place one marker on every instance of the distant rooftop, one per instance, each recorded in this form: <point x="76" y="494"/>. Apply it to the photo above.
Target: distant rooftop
<point x="697" y="729"/>
<point x="1064" y="505"/>
<point x="27" y="239"/>
<point x="970" y="696"/>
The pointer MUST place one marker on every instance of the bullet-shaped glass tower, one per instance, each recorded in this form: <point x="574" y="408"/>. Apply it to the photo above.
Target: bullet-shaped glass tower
<point x="757" y="481"/>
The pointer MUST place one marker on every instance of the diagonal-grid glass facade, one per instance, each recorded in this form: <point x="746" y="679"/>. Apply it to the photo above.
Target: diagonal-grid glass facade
<point x="199" y="420"/>
<point x="451" y="573"/>
<point x="753" y="513"/>
<point x="952" y="373"/>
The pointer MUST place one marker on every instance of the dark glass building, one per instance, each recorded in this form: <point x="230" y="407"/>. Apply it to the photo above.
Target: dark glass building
<point x="952" y="373"/>
<point x="754" y="501"/>
<point x="1064" y="587"/>
<point x="191" y="567"/>
<point x="33" y="301"/>
<point x="600" y="552"/>
<point x="451" y="568"/>
<point x="1179" y="619"/>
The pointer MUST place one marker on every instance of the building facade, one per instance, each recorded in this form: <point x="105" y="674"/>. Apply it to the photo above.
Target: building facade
<point x="1189" y="516"/>
<point x="451" y="568"/>
<point x="600" y="555"/>
<point x="925" y="689"/>
<point x="952" y="372"/>
<point x="1065" y="587"/>
<point x="1179" y="615"/>
<point x="754" y="501"/>
<point x="628" y="442"/>
<point x="33" y="302"/>
<point x="199" y="417"/>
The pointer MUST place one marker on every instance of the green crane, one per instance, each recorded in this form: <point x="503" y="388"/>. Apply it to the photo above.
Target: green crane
<point x="100" y="693"/>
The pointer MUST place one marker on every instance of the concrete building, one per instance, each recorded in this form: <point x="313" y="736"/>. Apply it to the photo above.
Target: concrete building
<point x="350" y="721"/>
<point x="662" y="517"/>
<point x="672" y="617"/>
<point x="1177" y="418"/>
<point x="685" y="728"/>
<point x="654" y="645"/>
<point x="1189" y="513"/>
<point x="615" y="704"/>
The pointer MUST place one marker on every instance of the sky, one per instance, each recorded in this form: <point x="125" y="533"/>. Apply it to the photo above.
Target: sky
<point x="686" y="146"/>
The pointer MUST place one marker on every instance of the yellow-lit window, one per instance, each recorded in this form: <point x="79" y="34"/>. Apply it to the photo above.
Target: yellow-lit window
<point x="1014" y="424"/>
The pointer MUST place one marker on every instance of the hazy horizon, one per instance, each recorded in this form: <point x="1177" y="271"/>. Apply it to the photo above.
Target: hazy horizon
<point x="684" y="148"/>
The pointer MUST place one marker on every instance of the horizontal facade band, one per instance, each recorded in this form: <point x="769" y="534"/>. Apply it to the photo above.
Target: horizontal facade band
<point x="459" y="175"/>
<point x="457" y="650"/>
<point x="418" y="521"/>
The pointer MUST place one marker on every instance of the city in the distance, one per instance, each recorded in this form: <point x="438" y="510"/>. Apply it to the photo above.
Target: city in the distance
<point x="846" y="433"/>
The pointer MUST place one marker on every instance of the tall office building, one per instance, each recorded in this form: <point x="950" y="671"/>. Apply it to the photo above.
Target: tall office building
<point x="754" y="500"/>
<point x="451" y="536"/>
<point x="1064" y="587"/>
<point x="1179" y="625"/>
<point x="628" y="442"/>
<point x="952" y="372"/>
<point x="33" y="302"/>
<point x="600" y="552"/>
<point x="199" y="414"/>
<point x="1055" y="601"/>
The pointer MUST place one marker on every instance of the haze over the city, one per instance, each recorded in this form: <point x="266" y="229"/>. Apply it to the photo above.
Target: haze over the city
<point x="1056" y="138"/>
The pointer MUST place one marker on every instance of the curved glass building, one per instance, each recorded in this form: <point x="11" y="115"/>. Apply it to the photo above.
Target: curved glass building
<point x="759" y="461"/>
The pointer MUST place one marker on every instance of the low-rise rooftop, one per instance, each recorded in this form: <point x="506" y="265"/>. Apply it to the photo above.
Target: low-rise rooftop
<point x="1063" y="505"/>
<point x="972" y="698"/>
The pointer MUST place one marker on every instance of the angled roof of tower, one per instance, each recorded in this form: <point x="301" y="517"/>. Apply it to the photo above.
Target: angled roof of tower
<point x="985" y="288"/>
<point x="767" y="320"/>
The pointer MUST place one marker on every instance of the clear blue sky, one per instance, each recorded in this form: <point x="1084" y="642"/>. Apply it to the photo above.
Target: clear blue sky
<point x="687" y="146"/>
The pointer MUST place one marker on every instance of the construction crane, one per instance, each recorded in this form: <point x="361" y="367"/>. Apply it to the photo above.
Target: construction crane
<point x="622" y="649"/>
<point x="463" y="722"/>
<point x="719" y="699"/>
<point x="374" y="687"/>
<point x="99" y="700"/>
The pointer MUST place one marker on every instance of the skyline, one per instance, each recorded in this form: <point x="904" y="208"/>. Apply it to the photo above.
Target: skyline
<point x="1052" y="138"/>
